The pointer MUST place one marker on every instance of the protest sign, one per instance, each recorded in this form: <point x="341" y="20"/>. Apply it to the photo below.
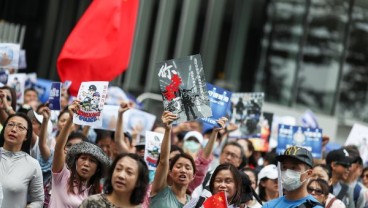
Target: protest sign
<point x="55" y="96"/>
<point x="358" y="136"/>
<point x="246" y="113"/>
<point x="92" y="97"/>
<point x="152" y="151"/>
<point x="220" y="102"/>
<point x="184" y="89"/>
<point x="309" y="138"/>
<point x="9" y="55"/>
<point x="17" y="81"/>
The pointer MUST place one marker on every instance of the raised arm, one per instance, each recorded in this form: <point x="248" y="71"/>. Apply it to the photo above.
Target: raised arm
<point x="207" y="151"/>
<point x="59" y="154"/>
<point x="5" y="109"/>
<point x="44" y="148"/>
<point x="160" y="181"/>
<point x="119" y="138"/>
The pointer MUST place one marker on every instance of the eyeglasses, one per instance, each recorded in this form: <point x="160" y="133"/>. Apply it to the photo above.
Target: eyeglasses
<point x="316" y="191"/>
<point x="11" y="125"/>
<point x="345" y="165"/>
<point x="232" y="155"/>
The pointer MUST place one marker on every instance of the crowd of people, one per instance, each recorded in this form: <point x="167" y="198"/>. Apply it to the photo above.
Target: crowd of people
<point x="48" y="161"/>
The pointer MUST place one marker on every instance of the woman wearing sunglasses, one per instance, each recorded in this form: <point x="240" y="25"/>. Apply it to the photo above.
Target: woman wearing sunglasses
<point x="318" y="188"/>
<point x="321" y="172"/>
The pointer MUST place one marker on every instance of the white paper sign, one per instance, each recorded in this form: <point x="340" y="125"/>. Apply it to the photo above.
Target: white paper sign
<point x="9" y="55"/>
<point x="17" y="81"/>
<point x="92" y="96"/>
<point x="359" y="136"/>
<point x="153" y="148"/>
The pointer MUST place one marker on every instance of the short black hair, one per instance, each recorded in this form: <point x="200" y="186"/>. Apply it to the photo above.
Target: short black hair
<point x="139" y="192"/>
<point x="182" y="155"/>
<point x="31" y="89"/>
<point x="77" y="134"/>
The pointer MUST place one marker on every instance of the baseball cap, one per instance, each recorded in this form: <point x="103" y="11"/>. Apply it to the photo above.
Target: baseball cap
<point x="299" y="153"/>
<point x="269" y="171"/>
<point x="194" y="134"/>
<point x="39" y="118"/>
<point x="340" y="155"/>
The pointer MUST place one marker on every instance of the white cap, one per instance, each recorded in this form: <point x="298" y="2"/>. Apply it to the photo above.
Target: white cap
<point x="39" y="118"/>
<point x="195" y="134"/>
<point x="269" y="171"/>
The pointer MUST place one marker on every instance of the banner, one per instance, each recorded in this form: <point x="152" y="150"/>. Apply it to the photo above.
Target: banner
<point x="309" y="138"/>
<point x="184" y="89"/>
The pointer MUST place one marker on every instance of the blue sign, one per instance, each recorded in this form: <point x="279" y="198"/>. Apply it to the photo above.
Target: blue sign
<point x="309" y="138"/>
<point x="220" y="101"/>
<point x="55" y="96"/>
<point x="43" y="87"/>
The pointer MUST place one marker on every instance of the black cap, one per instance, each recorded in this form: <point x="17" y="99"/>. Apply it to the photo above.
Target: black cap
<point x="299" y="153"/>
<point x="339" y="155"/>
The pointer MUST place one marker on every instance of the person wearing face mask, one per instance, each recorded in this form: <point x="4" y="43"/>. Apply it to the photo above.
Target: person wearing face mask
<point x="296" y="169"/>
<point x="192" y="143"/>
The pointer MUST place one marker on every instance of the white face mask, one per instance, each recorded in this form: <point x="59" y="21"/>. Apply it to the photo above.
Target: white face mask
<point x="290" y="179"/>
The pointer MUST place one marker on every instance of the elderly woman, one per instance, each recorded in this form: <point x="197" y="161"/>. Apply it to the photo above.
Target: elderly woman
<point x="20" y="174"/>
<point x="86" y="164"/>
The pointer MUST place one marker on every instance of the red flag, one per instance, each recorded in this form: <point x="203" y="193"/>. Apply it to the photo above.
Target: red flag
<point x="218" y="200"/>
<point x="98" y="48"/>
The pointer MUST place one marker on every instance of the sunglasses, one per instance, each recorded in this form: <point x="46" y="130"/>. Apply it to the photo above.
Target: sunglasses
<point x="8" y="98"/>
<point x="317" y="192"/>
<point x="345" y="165"/>
<point x="365" y="176"/>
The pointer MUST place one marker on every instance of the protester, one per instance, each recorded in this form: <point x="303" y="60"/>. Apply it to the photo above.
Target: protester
<point x="181" y="171"/>
<point x="268" y="183"/>
<point x="225" y="178"/>
<point x="339" y="162"/>
<point x="104" y="140"/>
<point x="253" y="203"/>
<point x="8" y="102"/>
<point x="30" y="98"/>
<point x="231" y="153"/>
<point x="318" y="188"/>
<point x="322" y="172"/>
<point x="296" y="169"/>
<point x="20" y="174"/>
<point x="86" y="164"/>
<point x="125" y="186"/>
<point x="356" y="189"/>
<point x="364" y="177"/>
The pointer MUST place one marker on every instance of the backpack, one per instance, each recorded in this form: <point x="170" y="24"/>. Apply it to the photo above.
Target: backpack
<point x="356" y="193"/>
<point x="309" y="204"/>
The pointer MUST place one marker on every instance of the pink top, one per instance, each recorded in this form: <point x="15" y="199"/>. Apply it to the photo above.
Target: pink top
<point x="59" y="195"/>
<point x="336" y="204"/>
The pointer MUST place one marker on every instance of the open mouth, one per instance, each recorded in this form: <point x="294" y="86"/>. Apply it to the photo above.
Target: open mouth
<point x="182" y="177"/>
<point x="84" y="170"/>
<point x="119" y="183"/>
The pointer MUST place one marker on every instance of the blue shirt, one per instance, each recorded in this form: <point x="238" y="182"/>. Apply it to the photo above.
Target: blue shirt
<point x="282" y="202"/>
